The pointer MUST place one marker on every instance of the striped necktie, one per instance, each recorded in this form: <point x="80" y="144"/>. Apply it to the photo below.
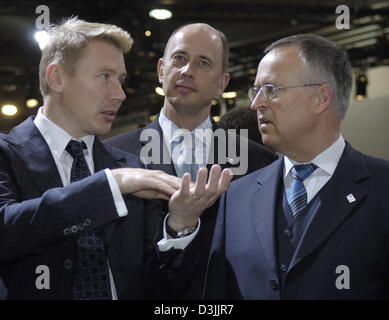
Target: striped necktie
<point x="297" y="194"/>
<point x="183" y="149"/>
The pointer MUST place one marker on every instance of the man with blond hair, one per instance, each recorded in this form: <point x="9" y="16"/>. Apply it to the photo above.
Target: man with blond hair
<point x="70" y="227"/>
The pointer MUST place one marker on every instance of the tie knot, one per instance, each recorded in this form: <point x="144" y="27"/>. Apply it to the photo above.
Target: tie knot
<point x="186" y="139"/>
<point x="75" y="148"/>
<point x="302" y="171"/>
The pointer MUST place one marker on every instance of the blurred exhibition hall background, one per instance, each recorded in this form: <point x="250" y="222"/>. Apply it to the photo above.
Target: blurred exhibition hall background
<point x="250" y="25"/>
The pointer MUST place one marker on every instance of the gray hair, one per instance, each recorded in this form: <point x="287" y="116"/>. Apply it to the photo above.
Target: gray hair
<point x="326" y="62"/>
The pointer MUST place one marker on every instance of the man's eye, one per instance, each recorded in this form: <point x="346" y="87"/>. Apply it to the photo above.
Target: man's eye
<point x="204" y="63"/>
<point x="179" y="58"/>
<point x="105" y="76"/>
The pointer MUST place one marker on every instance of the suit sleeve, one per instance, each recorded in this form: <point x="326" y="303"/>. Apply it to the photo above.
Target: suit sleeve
<point x="168" y="274"/>
<point x="220" y="280"/>
<point x="28" y="224"/>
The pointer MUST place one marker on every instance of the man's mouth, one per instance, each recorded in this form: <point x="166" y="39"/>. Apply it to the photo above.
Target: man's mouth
<point x="184" y="87"/>
<point x="263" y="120"/>
<point x="109" y="115"/>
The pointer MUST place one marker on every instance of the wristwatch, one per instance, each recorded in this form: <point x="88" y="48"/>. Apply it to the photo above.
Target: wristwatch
<point x="181" y="233"/>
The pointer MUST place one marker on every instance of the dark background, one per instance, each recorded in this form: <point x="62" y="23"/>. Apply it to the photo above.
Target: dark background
<point x="250" y="25"/>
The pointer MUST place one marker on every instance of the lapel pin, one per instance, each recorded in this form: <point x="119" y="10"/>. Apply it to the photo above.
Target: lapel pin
<point x="351" y="198"/>
<point x="232" y="161"/>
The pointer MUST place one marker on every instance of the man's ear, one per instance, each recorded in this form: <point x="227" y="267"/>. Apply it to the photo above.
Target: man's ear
<point x="224" y="80"/>
<point x="325" y="97"/>
<point x="160" y="69"/>
<point x="54" y="77"/>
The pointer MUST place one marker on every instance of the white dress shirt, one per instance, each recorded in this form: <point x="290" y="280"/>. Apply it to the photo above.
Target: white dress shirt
<point x="203" y="138"/>
<point x="326" y="162"/>
<point x="57" y="140"/>
<point x="203" y="134"/>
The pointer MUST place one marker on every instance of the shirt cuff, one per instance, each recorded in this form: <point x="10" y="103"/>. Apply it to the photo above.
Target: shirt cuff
<point x="181" y="243"/>
<point x="120" y="205"/>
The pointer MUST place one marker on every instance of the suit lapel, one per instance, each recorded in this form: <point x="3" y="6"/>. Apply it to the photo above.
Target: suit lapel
<point x="103" y="159"/>
<point x="109" y="157"/>
<point x="263" y="207"/>
<point x="223" y="158"/>
<point x="26" y="140"/>
<point x="334" y="206"/>
<point x="163" y="164"/>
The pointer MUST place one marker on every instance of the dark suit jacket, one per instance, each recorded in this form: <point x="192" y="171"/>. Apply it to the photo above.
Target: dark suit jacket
<point x="355" y="234"/>
<point x="3" y="290"/>
<point x="37" y="211"/>
<point x="258" y="157"/>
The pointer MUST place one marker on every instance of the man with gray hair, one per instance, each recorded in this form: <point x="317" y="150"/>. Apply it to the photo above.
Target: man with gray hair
<point x="315" y="223"/>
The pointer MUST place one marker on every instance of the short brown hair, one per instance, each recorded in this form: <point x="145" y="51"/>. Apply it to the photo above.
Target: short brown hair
<point x="68" y="39"/>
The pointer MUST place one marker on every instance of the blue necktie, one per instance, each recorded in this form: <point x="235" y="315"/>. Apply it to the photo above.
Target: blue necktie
<point x="297" y="194"/>
<point x="91" y="280"/>
<point x="185" y="160"/>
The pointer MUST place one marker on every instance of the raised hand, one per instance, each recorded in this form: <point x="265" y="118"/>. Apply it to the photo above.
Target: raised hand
<point x="186" y="204"/>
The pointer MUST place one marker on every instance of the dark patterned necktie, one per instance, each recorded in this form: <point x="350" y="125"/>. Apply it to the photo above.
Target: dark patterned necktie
<point x="91" y="280"/>
<point x="297" y="194"/>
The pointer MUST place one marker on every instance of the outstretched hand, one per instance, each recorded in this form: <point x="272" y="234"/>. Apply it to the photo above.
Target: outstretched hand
<point x="147" y="184"/>
<point x="187" y="203"/>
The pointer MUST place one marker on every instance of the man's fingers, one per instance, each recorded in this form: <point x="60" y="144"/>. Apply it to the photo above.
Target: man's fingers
<point x="213" y="180"/>
<point x="225" y="181"/>
<point x="199" y="188"/>
<point x="185" y="185"/>
<point x="173" y="181"/>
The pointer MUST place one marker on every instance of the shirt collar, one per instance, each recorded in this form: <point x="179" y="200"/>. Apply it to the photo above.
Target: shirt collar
<point x="56" y="137"/>
<point x="326" y="160"/>
<point x="171" y="132"/>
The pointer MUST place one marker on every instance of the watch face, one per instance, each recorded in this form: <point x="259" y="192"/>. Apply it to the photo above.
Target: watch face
<point x="185" y="232"/>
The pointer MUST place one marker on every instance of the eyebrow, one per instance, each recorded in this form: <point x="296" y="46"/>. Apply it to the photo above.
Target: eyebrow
<point x="186" y="53"/>
<point x="122" y="75"/>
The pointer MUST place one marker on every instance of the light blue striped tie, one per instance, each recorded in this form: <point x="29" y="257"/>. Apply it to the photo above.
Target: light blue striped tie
<point x="185" y="162"/>
<point x="297" y="194"/>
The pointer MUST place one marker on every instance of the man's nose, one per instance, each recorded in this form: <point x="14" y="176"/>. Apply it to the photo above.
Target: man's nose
<point x="188" y="70"/>
<point x="118" y="92"/>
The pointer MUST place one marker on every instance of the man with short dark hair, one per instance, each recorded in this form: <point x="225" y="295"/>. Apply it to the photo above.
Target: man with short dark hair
<point x="192" y="72"/>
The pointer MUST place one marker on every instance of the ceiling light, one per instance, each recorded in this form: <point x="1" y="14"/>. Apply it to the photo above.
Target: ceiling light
<point x="160" y="14"/>
<point x="361" y="86"/>
<point x="147" y="33"/>
<point x="32" y="103"/>
<point x="9" y="109"/>
<point x="229" y="95"/>
<point x="42" y="37"/>
<point x="159" y="90"/>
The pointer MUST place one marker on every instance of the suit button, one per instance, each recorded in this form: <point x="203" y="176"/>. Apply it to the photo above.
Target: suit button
<point x="74" y="229"/>
<point x="67" y="231"/>
<point x="68" y="264"/>
<point x="288" y="233"/>
<point x="283" y="267"/>
<point x="273" y="284"/>
<point x="87" y="222"/>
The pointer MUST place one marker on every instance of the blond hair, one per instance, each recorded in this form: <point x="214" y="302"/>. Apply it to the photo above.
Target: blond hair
<point x="68" y="40"/>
